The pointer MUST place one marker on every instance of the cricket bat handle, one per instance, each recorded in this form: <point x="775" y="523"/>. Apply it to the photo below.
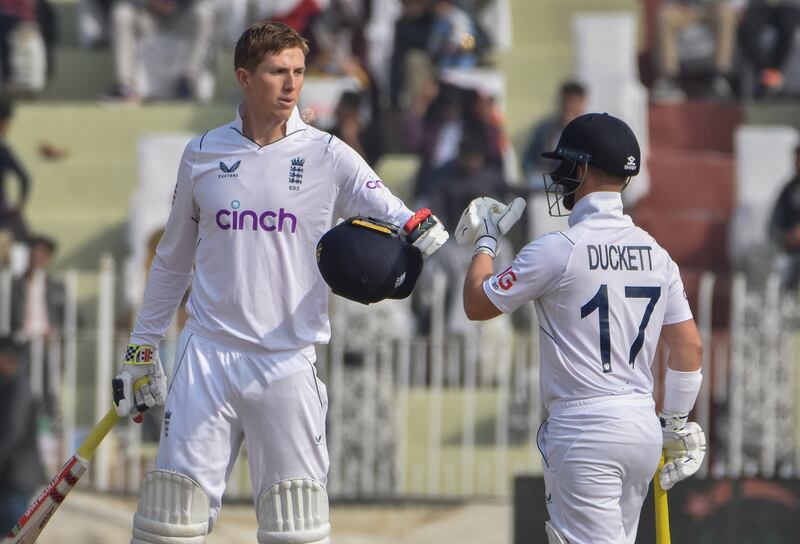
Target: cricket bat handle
<point x="662" y="508"/>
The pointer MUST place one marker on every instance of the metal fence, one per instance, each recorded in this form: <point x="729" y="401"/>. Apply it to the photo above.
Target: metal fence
<point x="439" y="416"/>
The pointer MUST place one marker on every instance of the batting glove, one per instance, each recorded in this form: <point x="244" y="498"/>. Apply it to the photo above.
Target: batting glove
<point x="684" y="448"/>
<point x="425" y="232"/>
<point x="141" y="361"/>
<point x="485" y="220"/>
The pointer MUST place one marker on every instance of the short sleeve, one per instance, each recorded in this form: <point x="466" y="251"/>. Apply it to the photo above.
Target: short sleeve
<point x="536" y="271"/>
<point x="678" y="309"/>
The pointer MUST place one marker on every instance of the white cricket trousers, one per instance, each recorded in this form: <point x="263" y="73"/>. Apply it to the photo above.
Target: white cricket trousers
<point x="220" y="396"/>
<point x="600" y="455"/>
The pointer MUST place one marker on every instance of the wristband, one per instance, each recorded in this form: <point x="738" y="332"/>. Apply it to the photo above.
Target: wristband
<point x="681" y="390"/>
<point x="486" y="244"/>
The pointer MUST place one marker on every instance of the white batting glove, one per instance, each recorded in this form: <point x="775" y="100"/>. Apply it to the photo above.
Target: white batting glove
<point x="425" y="232"/>
<point x="684" y="449"/>
<point x="141" y="361"/>
<point x="485" y="220"/>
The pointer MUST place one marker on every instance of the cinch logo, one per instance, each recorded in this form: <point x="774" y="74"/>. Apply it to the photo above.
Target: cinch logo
<point x="506" y="279"/>
<point x="236" y="219"/>
<point x="374" y="184"/>
<point x="228" y="171"/>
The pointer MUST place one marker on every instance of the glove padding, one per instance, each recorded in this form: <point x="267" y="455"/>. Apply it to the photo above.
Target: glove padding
<point x="684" y="449"/>
<point x="485" y="220"/>
<point x="425" y="232"/>
<point x="141" y="361"/>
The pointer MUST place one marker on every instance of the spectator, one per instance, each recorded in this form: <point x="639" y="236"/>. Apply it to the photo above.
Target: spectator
<point x="339" y="40"/>
<point x="784" y="227"/>
<point x="133" y="21"/>
<point x="26" y="38"/>
<point x="782" y="16"/>
<point x="440" y="116"/>
<point x="352" y="129"/>
<point x="94" y="21"/>
<point x="411" y="33"/>
<point x="453" y="42"/>
<point x="40" y="312"/>
<point x="21" y="467"/>
<point x="12" y="226"/>
<point x="673" y="17"/>
<point x="571" y="104"/>
<point x="433" y="128"/>
<point x="298" y="14"/>
<point x="37" y="314"/>
<point x="456" y="183"/>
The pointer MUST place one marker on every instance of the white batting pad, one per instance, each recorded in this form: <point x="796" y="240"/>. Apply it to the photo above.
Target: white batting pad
<point x="294" y="512"/>
<point x="173" y="509"/>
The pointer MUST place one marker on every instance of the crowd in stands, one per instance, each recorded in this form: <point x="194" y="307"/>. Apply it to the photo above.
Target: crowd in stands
<point x="414" y="102"/>
<point x="755" y="36"/>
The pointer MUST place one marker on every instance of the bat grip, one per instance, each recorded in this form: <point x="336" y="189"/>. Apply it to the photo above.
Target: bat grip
<point x="662" y="507"/>
<point x="90" y="443"/>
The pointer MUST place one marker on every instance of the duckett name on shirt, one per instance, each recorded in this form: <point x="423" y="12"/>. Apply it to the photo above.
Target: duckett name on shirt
<point x="268" y="220"/>
<point x="612" y="257"/>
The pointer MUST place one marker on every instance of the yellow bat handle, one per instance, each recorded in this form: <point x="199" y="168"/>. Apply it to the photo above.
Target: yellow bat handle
<point x="662" y="509"/>
<point x="90" y="443"/>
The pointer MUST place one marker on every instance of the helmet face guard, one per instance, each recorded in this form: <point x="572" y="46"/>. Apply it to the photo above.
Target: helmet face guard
<point x="561" y="184"/>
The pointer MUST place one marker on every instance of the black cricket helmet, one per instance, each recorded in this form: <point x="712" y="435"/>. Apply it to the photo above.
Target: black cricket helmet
<point x="596" y="139"/>
<point x="365" y="260"/>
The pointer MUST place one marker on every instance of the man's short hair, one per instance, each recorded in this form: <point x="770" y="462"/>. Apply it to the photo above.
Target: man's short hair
<point x="268" y="37"/>
<point x="573" y="88"/>
<point x="42" y="240"/>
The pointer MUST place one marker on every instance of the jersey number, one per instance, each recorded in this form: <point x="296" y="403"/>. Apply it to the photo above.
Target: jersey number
<point x="599" y="302"/>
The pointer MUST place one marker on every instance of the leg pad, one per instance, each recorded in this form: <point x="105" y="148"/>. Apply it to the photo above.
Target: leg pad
<point x="294" y="512"/>
<point x="173" y="509"/>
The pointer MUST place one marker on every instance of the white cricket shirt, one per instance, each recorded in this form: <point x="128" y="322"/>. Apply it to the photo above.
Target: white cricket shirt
<point x="603" y="288"/>
<point x="243" y="230"/>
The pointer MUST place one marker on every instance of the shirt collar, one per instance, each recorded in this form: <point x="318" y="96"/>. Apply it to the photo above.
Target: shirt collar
<point x="293" y="124"/>
<point x="605" y="204"/>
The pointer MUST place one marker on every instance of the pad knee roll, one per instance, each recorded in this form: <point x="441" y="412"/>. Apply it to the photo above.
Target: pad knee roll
<point x="294" y="512"/>
<point x="173" y="509"/>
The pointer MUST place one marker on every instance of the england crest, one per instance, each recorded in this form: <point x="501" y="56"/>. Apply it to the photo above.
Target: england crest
<point x="296" y="171"/>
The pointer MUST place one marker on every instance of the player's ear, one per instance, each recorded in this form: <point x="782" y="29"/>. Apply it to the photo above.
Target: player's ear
<point x="581" y="169"/>
<point x="243" y="76"/>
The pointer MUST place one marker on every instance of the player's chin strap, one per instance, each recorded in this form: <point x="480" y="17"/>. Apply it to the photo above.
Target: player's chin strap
<point x="294" y="512"/>
<point x="553" y="536"/>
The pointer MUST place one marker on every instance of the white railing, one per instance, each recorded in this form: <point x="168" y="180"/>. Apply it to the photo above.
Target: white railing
<point x="438" y="416"/>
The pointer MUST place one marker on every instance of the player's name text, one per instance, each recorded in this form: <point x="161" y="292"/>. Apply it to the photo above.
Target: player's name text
<point x="610" y="257"/>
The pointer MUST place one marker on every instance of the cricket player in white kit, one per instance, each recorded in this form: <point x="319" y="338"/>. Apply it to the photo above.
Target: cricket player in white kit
<point x="252" y="199"/>
<point x="604" y="292"/>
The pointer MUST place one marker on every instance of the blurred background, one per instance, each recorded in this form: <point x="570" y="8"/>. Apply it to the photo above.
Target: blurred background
<point x="432" y="418"/>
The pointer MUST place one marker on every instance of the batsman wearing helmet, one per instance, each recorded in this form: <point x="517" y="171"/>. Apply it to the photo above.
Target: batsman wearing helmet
<point x="252" y="200"/>
<point x="604" y="293"/>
